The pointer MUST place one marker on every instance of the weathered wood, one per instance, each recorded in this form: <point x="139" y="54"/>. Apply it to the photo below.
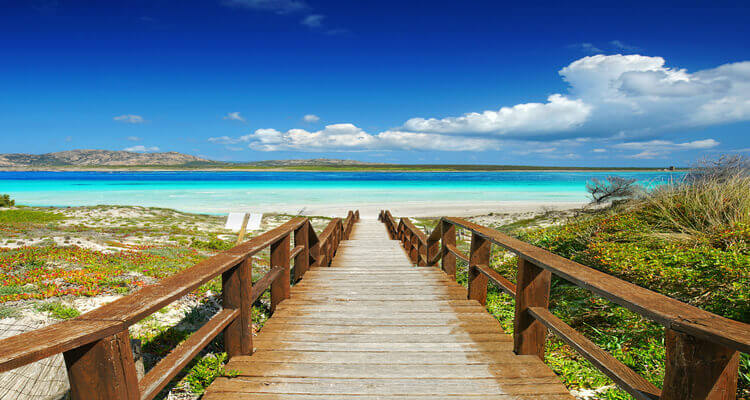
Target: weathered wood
<point x="166" y="369"/>
<point x="698" y="370"/>
<point x="301" y="254"/>
<point x="664" y="310"/>
<point x="456" y="252"/>
<point x="265" y="282"/>
<point x="280" y="258"/>
<point x="364" y="329"/>
<point x="243" y="229"/>
<point x="504" y="284"/>
<point x="103" y="370"/>
<point x="532" y="290"/>
<point x="236" y="293"/>
<point x="626" y="378"/>
<point x="479" y="256"/>
<point x="448" y="263"/>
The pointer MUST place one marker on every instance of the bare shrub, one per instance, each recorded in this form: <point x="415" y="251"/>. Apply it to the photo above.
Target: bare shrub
<point x="713" y="197"/>
<point x="6" y="201"/>
<point x="725" y="167"/>
<point x="611" y="188"/>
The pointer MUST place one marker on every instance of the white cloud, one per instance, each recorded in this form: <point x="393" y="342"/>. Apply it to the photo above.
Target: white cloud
<point x="234" y="116"/>
<point x="129" y="119"/>
<point x="620" y="98"/>
<point x="348" y="137"/>
<point x="134" y="138"/>
<point x="558" y="114"/>
<point x="277" y="6"/>
<point x="142" y="149"/>
<point x="662" y="148"/>
<point x="311" y="118"/>
<point x="230" y="140"/>
<point x="588" y="48"/>
<point x="668" y="145"/>
<point x="599" y="150"/>
<point x="313" y="20"/>
<point x="623" y="46"/>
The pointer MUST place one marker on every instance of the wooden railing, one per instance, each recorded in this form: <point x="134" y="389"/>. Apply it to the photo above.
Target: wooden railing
<point x="96" y="345"/>
<point x="702" y="349"/>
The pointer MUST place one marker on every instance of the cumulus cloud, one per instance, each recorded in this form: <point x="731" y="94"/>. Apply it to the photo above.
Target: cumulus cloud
<point x="313" y="20"/>
<point x="142" y="149"/>
<point x="130" y="119"/>
<point x="662" y="148"/>
<point x="617" y="98"/>
<point x="277" y="6"/>
<point x="234" y="116"/>
<point x="348" y="137"/>
<point x="230" y="140"/>
<point x="311" y="118"/>
<point x="134" y="138"/>
<point x="558" y="114"/>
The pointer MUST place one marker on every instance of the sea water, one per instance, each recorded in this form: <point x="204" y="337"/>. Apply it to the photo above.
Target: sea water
<point x="220" y="192"/>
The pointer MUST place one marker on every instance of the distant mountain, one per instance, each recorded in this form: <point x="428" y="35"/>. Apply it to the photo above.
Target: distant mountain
<point x="314" y="162"/>
<point x="96" y="157"/>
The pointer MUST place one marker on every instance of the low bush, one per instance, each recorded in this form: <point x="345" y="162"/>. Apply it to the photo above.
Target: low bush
<point x="6" y="201"/>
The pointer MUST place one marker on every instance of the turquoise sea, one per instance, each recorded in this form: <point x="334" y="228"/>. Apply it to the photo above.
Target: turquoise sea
<point x="219" y="192"/>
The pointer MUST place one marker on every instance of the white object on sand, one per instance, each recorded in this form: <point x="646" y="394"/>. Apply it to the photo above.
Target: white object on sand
<point x="235" y="220"/>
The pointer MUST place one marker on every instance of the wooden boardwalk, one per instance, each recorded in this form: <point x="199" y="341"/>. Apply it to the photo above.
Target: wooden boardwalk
<point x="372" y="326"/>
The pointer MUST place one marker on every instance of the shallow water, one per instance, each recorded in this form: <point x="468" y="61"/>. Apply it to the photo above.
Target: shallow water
<point x="219" y="192"/>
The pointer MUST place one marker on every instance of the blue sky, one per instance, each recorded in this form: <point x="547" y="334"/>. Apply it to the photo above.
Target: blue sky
<point x="391" y="81"/>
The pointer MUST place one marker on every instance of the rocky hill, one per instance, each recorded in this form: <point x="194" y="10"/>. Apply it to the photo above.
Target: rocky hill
<point x="96" y="157"/>
<point x="314" y="162"/>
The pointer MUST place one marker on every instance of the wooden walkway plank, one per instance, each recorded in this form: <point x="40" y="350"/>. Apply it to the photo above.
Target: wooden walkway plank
<point x="373" y="326"/>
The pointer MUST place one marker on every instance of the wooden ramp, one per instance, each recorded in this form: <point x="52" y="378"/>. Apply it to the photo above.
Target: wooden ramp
<point x="372" y="326"/>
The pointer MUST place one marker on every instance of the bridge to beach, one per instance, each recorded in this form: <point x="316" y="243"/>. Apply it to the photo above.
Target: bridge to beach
<point x="372" y="310"/>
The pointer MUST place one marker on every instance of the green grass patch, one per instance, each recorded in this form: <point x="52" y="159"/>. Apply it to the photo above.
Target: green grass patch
<point x="22" y="216"/>
<point x="9" y="312"/>
<point x="59" y="310"/>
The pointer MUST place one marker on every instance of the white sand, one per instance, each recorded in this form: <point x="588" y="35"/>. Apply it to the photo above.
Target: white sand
<point x="434" y="208"/>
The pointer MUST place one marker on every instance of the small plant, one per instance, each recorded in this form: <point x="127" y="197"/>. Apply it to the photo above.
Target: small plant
<point x="611" y="188"/>
<point x="213" y="243"/>
<point x="59" y="310"/>
<point x="6" y="201"/>
<point x="28" y="217"/>
<point x="206" y="370"/>
<point x="9" y="312"/>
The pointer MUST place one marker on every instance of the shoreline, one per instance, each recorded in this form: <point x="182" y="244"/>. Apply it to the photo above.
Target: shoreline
<point x="342" y="169"/>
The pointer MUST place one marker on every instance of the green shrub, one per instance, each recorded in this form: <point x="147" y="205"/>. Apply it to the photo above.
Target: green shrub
<point x="6" y="201"/>
<point x="59" y="310"/>
<point x="213" y="243"/>
<point x="206" y="370"/>
<point x="28" y="217"/>
<point x="699" y="207"/>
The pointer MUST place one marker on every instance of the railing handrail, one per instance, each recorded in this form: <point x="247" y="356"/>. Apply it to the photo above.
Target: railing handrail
<point x="671" y="313"/>
<point x="110" y="322"/>
<point x="702" y="347"/>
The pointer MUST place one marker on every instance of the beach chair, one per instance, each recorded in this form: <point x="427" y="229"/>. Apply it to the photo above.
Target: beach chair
<point x="243" y="222"/>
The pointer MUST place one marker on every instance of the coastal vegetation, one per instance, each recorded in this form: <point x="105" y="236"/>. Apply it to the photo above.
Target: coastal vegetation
<point x="689" y="240"/>
<point x="6" y="201"/>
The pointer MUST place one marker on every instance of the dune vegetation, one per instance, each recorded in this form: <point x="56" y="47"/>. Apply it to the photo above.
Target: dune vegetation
<point x="689" y="240"/>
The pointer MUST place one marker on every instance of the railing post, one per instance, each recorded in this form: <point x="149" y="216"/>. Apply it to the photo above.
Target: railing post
<point x="448" y="261"/>
<point x="103" y="370"/>
<point x="432" y="250"/>
<point x="532" y="290"/>
<point x="301" y="260"/>
<point x="280" y="288"/>
<point x="480" y="255"/>
<point x="421" y="253"/>
<point x="696" y="369"/>
<point x="413" y="247"/>
<point x="236" y="292"/>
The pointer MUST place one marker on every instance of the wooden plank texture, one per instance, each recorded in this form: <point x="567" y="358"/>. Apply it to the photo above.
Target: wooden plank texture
<point x="373" y="326"/>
